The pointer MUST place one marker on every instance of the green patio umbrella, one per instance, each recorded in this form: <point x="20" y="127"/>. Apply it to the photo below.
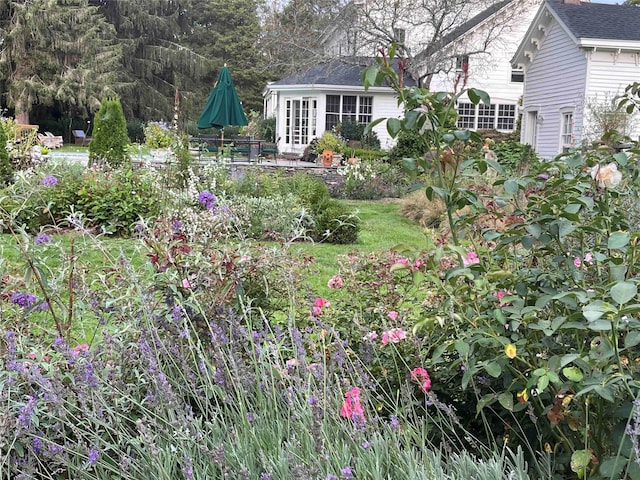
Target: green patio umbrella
<point x="223" y="107"/>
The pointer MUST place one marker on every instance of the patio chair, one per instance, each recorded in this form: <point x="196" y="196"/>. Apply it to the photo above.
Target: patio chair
<point x="81" y="138"/>
<point x="56" y="141"/>
<point x="269" y="149"/>
<point x="47" y="141"/>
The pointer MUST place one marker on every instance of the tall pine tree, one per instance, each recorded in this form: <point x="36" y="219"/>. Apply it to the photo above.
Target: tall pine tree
<point x="55" y="50"/>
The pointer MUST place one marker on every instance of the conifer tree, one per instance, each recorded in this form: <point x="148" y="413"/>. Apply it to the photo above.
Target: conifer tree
<point x="110" y="140"/>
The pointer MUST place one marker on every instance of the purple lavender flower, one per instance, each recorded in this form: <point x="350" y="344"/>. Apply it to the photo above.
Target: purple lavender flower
<point x="42" y="239"/>
<point x="188" y="468"/>
<point x="93" y="456"/>
<point x="49" y="181"/>
<point x="24" y="300"/>
<point x="367" y="444"/>
<point x="265" y="476"/>
<point x="26" y="413"/>
<point x="207" y="199"/>
<point x="331" y="476"/>
<point x="347" y="473"/>
<point x="394" y="422"/>
<point x="176" y="226"/>
<point x="37" y="444"/>
<point x="250" y="417"/>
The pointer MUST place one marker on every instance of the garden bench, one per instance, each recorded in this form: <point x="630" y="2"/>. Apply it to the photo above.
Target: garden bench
<point x="81" y="138"/>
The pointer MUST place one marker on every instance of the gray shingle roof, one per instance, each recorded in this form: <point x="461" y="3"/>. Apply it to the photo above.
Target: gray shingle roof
<point x="599" y="20"/>
<point x="473" y="22"/>
<point x="347" y="72"/>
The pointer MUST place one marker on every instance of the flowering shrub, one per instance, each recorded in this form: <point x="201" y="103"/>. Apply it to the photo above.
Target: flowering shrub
<point x="159" y="135"/>
<point x="370" y="180"/>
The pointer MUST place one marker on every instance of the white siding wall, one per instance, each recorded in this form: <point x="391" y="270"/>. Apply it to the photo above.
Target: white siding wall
<point x="609" y="75"/>
<point x="491" y="71"/>
<point x="554" y="82"/>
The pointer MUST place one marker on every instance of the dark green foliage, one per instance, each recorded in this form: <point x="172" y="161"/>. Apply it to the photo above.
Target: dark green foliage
<point x="184" y="160"/>
<point x="268" y="129"/>
<point x="352" y="130"/>
<point x="335" y="223"/>
<point x="6" y="169"/>
<point x="110" y="138"/>
<point x="135" y="130"/>
<point x="370" y="141"/>
<point x="409" y="145"/>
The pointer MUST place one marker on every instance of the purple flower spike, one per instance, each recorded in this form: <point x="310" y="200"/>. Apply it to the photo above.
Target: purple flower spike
<point x="207" y="199"/>
<point x="42" y="239"/>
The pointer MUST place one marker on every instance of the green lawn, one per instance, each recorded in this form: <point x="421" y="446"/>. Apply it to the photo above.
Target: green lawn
<point x="382" y="228"/>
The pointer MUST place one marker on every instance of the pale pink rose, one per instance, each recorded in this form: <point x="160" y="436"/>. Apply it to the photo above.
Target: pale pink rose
<point x="588" y="258"/>
<point x="32" y="355"/>
<point x="607" y="176"/>
<point x="577" y="262"/>
<point x="470" y="258"/>
<point x="418" y="263"/>
<point x="185" y="283"/>
<point x="370" y="336"/>
<point x="393" y="315"/>
<point x="393" y="336"/>
<point x="500" y="294"/>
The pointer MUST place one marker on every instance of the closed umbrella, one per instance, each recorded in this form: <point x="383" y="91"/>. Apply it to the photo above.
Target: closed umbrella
<point x="223" y="107"/>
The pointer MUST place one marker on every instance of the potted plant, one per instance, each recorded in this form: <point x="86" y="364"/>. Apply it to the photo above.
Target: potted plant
<point x="327" y="144"/>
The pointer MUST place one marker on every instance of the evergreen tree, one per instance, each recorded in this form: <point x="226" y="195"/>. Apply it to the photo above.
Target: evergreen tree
<point x="110" y="139"/>
<point x="228" y="31"/>
<point x="55" y="50"/>
<point x="154" y="63"/>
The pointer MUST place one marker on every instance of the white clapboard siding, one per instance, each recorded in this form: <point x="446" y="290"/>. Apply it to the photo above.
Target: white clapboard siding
<point x="554" y="83"/>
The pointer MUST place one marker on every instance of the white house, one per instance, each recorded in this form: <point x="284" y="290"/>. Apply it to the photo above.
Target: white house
<point x="573" y="55"/>
<point x="308" y="103"/>
<point x="480" y="53"/>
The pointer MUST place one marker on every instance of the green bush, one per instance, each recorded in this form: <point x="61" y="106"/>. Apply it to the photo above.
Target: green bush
<point x="370" y="141"/>
<point x="310" y="190"/>
<point x="352" y="130"/>
<point x="158" y="135"/>
<point x="135" y="130"/>
<point x="335" y="223"/>
<point x="110" y="140"/>
<point x="268" y="129"/>
<point x="110" y="199"/>
<point x="409" y="144"/>
<point x="6" y="169"/>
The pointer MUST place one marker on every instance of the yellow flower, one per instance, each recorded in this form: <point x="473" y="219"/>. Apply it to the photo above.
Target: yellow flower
<point x="523" y="396"/>
<point x="510" y="350"/>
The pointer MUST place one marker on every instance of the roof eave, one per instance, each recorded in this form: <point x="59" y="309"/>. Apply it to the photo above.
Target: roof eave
<point x="609" y="44"/>
<point x="327" y="86"/>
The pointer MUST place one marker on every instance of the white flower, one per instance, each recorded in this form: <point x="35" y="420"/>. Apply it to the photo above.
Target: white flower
<point x="607" y="176"/>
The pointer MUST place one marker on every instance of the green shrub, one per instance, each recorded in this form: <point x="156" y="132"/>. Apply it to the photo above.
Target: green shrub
<point x="310" y="190"/>
<point x="255" y="184"/>
<point x="158" y="135"/>
<point x="135" y="130"/>
<point x="6" y="169"/>
<point x="334" y="223"/>
<point x="110" y="199"/>
<point x="409" y="144"/>
<point x="110" y="140"/>
<point x="268" y="129"/>
<point x="370" y="141"/>
<point x="352" y="130"/>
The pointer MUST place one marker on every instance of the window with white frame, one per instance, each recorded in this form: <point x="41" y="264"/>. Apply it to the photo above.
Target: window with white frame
<point x="506" y="117"/>
<point x="566" y="131"/>
<point x="354" y="108"/>
<point x="486" y="116"/>
<point x="489" y="117"/>
<point x="467" y="115"/>
<point x="517" y="75"/>
<point x="399" y="35"/>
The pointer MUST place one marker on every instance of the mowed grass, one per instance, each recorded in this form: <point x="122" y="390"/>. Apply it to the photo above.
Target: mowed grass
<point x="382" y="228"/>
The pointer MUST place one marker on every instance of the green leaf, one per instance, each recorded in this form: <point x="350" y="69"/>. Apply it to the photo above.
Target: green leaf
<point x="632" y="339"/>
<point x="543" y="383"/>
<point x="448" y="137"/>
<point x="462" y="135"/>
<point x="506" y="400"/>
<point x="484" y="401"/>
<point x="410" y="119"/>
<point x="462" y="348"/>
<point x="618" y="240"/>
<point x="493" y="369"/>
<point x="369" y="76"/>
<point x="528" y="241"/>
<point x="393" y="127"/>
<point x="621" y="158"/>
<point x="623" y="292"/>
<point x="476" y="96"/>
<point x="612" y="467"/>
<point x="573" y="373"/>
<point x="511" y="187"/>
<point x="370" y="126"/>
<point x="601" y="325"/>
<point x="579" y="461"/>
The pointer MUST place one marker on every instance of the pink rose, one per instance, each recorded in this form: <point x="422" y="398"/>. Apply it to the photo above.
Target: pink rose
<point x="335" y="282"/>
<point x="351" y="407"/>
<point x="421" y="377"/>
<point x="393" y="315"/>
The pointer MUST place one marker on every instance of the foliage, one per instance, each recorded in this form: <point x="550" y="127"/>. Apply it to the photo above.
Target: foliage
<point x="426" y="213"/>
<point x="20" y="144"/>
<point x="310" y="190"/>
<point x="351" y="130"/>
<point x="268" y="129"/>
<point x="335" y="223"/>
<point x="162" y="378"/>
<point x="328" y="141"/>
<point x="110" y="139"/>
<point x="73" y="64"/>
<point x="6" y="169"/>
<point x="135" y="130"/>
<point x="369" y="180"/>
<point x="408" y="145"/>
<point x="607" y="124"/>
<point x="159" y="135"/>
<point x="112" y="200"/>
<point x="370" y="141"/>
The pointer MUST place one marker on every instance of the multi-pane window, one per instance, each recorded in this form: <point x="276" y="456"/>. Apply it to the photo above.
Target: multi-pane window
<point x="345" y="108"/>
<point x="517" y="75"/>
<point x="399" y="35"/>
<point x="506" y="117"/>
<point x="467" y="113"/>
<point x="566" y="131"/>
<point x="487" y="117"/>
